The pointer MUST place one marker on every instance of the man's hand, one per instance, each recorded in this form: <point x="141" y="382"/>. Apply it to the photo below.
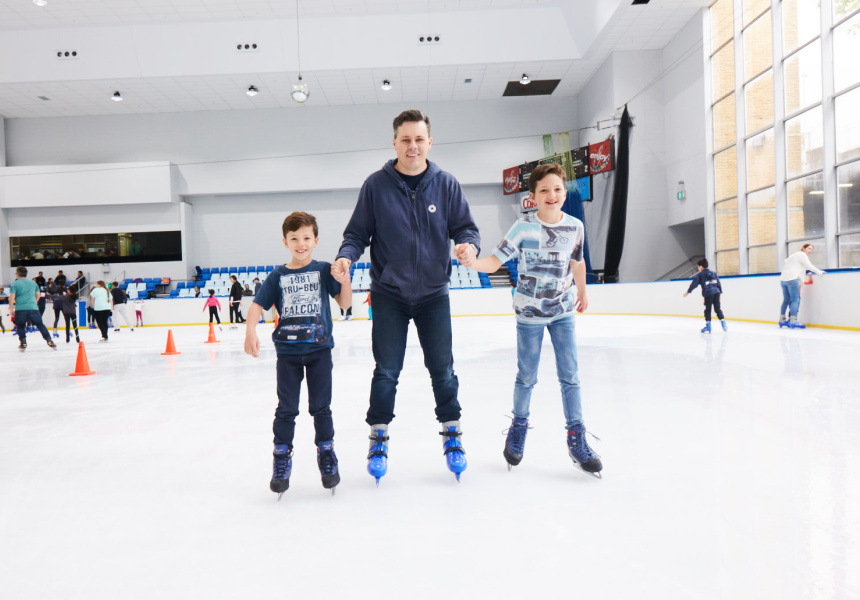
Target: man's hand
<point x="340" y="269"/>
<point x="465" y="254"/>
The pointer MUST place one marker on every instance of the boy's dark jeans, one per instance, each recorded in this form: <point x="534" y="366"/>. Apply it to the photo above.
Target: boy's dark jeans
<point x="713" y="301"/>
<point x="291" y="371"/>
<point x="390" y="326"/>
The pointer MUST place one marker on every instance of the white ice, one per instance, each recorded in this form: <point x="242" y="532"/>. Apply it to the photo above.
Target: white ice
<point x="732" y="471"/>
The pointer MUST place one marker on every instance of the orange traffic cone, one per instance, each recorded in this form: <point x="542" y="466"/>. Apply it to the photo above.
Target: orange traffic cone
<point x="276" y="321"/>
<point x="171" y="348"/>
<point x="82" y="366"/>
<point x="211" y="339"/>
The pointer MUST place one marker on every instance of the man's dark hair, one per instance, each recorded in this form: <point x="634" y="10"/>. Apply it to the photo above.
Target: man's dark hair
<point x="21" y="271"/>
<point x="541" y="172"/>
<point x="703" y="262"/>
<point x="410" y="116"/>
<point x="297" y="220"/>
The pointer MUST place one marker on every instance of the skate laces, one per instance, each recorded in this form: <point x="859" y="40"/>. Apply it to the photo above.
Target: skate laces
<point x="281" y="465"/>
<point x="516" y="434"/>
<point x="327" y="462"/>
<point x="579" y="445"/>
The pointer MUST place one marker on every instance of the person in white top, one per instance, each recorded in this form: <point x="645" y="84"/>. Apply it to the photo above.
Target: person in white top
<point x="795" y="267"/>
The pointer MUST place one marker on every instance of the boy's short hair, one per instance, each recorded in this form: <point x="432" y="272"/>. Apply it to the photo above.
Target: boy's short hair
<point x="21" y="271"/>
<point x="297" y="220"/>
<point x="410" y="116"/>
<point x="541" y="172"/>
<point x="702" y="262"/>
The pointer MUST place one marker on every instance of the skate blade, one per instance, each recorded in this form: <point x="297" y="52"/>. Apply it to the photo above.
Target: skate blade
<point x="377" y="481"/>
<point x="510" y="466"/>
<point x="596" y="475"/>
<point x="279" y="496"/>
<point x="332" y="491"/>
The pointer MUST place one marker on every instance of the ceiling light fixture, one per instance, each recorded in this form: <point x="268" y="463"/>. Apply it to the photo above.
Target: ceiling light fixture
<point x="252" y="91"/>
<point x="117" y="97"/>
<point x="300" y="91"/>
<point x="524" y="80"/>
<point x="386" y="85"/>
<point x="40" y="2"/>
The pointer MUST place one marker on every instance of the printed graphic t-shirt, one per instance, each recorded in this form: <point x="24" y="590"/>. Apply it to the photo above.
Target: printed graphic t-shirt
<point x="301" y="297"/>
<point x="544" y="289"/>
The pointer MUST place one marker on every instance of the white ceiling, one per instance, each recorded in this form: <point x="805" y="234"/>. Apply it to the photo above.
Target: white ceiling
<point x="33" y="29"/>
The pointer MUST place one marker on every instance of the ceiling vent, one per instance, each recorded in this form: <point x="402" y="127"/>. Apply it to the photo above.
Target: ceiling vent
<point x="67" y="54"/>
<point x="434" y="39"/>
<point x="537" y="87"/>
<point x="250" y="47"/>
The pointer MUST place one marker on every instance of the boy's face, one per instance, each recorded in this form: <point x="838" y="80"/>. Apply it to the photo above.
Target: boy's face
<point x="301" y="243"/>
<point x="549" y="195"/>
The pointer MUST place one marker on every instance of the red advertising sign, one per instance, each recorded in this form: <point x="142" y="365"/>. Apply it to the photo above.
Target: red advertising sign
<point x="600" y="157"/>
<point x="511" y="178"/>
<point x="527" y="204"/>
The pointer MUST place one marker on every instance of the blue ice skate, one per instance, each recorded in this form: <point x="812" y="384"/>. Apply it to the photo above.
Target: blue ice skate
<point x="723" y="323"/>
<point x="455" y="454"/>
<point x="795" y="324"/>
<point x="707" y="327"/>
<point x="327" y="462"/>
<point x="515" y="443"/>
<point x="377" y="456"/>
<point x="282" y="466"/>
<point x="582" y="455"/>
<point x="56" y="335"/>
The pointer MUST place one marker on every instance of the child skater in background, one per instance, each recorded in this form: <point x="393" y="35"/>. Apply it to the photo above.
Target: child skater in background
<point x="138" y="312"/>
<point x="214" y="307"/>
<point x="369" y="308"/>
<point x="300" y="292"/>
<point x="711" y="290"/>
<point x="70" y="311"/>
<point x="549" y="244"/>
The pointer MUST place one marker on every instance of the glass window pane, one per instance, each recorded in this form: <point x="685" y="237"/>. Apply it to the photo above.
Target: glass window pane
<point x="843" y="8"/>
<point x="722" y="23"/>
<point x="849" y="250"/>
<point x="846" y="49"/>
<point x="758" y="95"/>
<point x="801" y="21"/>
<point x="760" y="161"/>
<point x="758" y="48"/>
<point x="817" y="257"/>
<point x="728" y="263"/>
<point x="803" y="78"/>
<point x="804" y="142"/>
<point x="761" y="211"/>
<point x="806" y="207"/>
<point x="848" y="126"/>
<point x="723" y="70"/>
<point x="727" y="224"/>
<point x="724" y="122"/>
<point x="726" y="173"/>
<point x="753" y="8"/>
<point x="848" y="178"/>
<point x="763" y="259"/>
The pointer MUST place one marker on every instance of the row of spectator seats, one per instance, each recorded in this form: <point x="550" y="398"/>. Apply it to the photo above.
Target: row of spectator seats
<point x="513" y="269"/>
<point x="360" y="278"/>
<point x="463" y="277"/>
<point x="209" y="271"/>
<point x="140" y="288"/>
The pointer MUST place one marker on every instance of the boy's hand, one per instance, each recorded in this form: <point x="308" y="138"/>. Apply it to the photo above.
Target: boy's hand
<point x="340" y="275"/>
<point x="339" y="267"/>
<point x="252" y="344"/>
<point x="465" y="254"/>
<point x="581" y="302"/>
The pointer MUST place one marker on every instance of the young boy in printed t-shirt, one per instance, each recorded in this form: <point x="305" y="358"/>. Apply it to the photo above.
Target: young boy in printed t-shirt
<point x="550" y="245"/>
<point x="300" y="292"/>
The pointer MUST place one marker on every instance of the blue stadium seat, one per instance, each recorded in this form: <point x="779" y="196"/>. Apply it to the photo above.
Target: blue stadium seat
<point x="127" y="281"/>
<point x="174" y="293"/>
<point x="181" y="285"/>
<point x="270" y="268"/>
<point x="241" y="270"/>
<point x="261" y="269"/>
<point x="122" y="286"/>
<point x="206" y="271"/>
<point x="454" y="261"/>
<point x="232" y="270"/>
<point x="224" y="270"/>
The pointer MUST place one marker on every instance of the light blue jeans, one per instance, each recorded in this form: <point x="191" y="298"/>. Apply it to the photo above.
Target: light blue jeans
<point x="562" y="332"/>
<point x="790" y="297"/>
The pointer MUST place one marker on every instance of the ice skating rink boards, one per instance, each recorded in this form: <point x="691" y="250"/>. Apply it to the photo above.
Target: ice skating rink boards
<point x="732" y="471"/>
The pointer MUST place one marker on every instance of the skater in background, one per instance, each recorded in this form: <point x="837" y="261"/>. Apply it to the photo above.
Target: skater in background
<point x="369" y="307"/>
<point x="410" y="199"/>
<point x="794" y="268"/>
<point x="235" y="302"/>
<point x="197" y="291"/>
<point x="43" y="295"/>
<point x="4" y="299"/>
<point x="544" y="300"/>
<point x="23" y="307"/>
<point x="101" y="307"/>
<point x="60" y="280"/>
<point x="247" y="291"/>
<point x="257" y="285"/>
<point x="57" y="303"/>
<point x="346" y="316"/>
<point x="118" y="303"/>
<point x="79" y="282"/>
<point x="70" y="312"/>
<point x="214" y="307"/>
<point x="711" y="292"/>
<point x="91" y="321"/>
<point x="138" y="311"/>
<point x="300" y="293"/>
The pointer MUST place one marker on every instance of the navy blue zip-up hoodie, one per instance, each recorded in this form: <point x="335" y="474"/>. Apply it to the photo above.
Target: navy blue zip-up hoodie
<point x="409" y="233"/>
<point x="709" y="281"/>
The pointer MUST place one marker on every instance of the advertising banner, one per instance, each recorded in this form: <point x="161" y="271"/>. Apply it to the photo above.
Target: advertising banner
<point x="600" y="157"/>
<point x="526" y="204"/>
<point x="579" y="158"/>
<point x="511" y="180"/>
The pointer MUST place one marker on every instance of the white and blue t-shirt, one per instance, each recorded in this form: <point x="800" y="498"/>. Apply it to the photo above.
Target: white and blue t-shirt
<point x="301" y="299"/>
<point x="545" y="289"/>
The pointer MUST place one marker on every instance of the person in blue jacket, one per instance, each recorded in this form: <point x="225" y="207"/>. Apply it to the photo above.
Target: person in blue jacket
<point x="408" y="212"/>
<point x="711" y="291"/>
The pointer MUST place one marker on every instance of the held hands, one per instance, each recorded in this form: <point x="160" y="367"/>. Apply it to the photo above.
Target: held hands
<point x="340" y="270"/>
<point x="465" y="254"/>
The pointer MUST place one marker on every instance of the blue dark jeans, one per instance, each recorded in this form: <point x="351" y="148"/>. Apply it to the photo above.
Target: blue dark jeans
<point x="291" y="372"/>
<point x="390" y="326"/>
<point x="34" y="317"/>
<point x="790" y="297"/>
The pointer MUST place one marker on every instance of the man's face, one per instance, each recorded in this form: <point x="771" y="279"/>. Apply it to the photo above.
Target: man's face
<point x="412" y="143"/>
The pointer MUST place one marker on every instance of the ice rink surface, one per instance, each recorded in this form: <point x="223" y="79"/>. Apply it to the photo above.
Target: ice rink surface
<point x="731" y="471"/>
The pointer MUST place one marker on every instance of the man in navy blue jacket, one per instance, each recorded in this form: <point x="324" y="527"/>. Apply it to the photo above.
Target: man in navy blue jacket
<point x="408" y="212"/>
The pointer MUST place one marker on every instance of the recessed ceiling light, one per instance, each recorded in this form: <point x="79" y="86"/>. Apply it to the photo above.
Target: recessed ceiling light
<point x="386" y="85"/>
<point x="252" y="91"/>
<point x="40" y="2"/>
<point x="117" y="97"/>
<point x="524" y="80"/>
